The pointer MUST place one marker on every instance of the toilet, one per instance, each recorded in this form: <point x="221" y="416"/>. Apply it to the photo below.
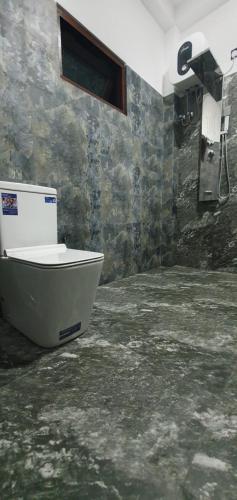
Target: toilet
<point x="47" y="290"/>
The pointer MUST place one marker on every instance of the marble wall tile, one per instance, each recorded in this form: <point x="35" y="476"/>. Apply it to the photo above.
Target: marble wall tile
<point x="206" y="233"/>
<point x="107" y="167"/>
<point x="168" y="187"/>
<point x="125" y="187"/>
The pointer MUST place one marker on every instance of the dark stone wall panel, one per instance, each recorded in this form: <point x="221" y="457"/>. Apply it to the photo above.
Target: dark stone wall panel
<point x="206" y="233"/>
<point x="168" y="245"/>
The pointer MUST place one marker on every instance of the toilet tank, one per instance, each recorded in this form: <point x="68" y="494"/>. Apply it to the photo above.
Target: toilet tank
<point x="28" y="215"/>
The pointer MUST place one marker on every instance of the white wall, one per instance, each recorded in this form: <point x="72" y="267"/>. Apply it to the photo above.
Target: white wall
<point x="128" y="29"/>
<point x="172" y="38"/>
<point x="220" y="29"/>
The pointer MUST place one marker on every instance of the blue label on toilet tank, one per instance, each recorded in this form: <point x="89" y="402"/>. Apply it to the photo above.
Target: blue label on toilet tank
<point x="9" y="204"/>
<point x="50" y="199"/>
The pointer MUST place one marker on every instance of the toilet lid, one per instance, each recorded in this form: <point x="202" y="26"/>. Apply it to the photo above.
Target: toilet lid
<point x="53" y="255"/>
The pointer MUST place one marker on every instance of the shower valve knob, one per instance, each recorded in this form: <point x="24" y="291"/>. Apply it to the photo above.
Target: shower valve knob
<point x="211" y="154"/>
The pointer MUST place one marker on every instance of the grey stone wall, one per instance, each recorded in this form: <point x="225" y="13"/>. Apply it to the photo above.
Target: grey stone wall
<point x="205" y="233"/>
<point x="125" y="187"/>
<point x="168" y="245"/>
<point x="106" y="166"/>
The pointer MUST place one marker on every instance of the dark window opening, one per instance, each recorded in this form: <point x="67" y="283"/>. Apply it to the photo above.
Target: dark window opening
<point x="89" y="64"/>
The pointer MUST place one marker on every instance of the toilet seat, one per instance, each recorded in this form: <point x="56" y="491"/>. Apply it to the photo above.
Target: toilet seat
<point x="52" y="256"/>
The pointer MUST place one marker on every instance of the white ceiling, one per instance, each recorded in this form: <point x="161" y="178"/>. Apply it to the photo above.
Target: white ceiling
<point x="180" y="13"/>
<point x="176" y="2"/>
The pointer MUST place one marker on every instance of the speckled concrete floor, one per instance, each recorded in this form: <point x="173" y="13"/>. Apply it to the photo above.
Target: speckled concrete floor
<point x="143" y="406"/>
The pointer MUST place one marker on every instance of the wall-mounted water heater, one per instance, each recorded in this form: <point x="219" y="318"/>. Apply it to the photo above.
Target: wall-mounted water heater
<point x="180" y="73"/>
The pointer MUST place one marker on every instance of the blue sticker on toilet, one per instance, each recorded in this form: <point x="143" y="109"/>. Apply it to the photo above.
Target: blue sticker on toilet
<point x="69" y="331"/>
<point x="50" y="199"/>
<point x="9" y="204"/>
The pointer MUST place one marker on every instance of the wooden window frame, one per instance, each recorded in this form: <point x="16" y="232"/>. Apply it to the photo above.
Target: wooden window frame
<point x="62" y="13"/>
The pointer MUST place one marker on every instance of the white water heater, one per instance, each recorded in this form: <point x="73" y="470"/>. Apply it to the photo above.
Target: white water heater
<point x="180" y="74"/>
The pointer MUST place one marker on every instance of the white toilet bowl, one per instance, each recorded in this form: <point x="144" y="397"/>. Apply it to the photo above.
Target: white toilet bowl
<point x="46" y="290"/>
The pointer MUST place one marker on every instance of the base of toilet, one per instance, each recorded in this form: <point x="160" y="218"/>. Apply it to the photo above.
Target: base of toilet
<point x="49" y="306"/>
